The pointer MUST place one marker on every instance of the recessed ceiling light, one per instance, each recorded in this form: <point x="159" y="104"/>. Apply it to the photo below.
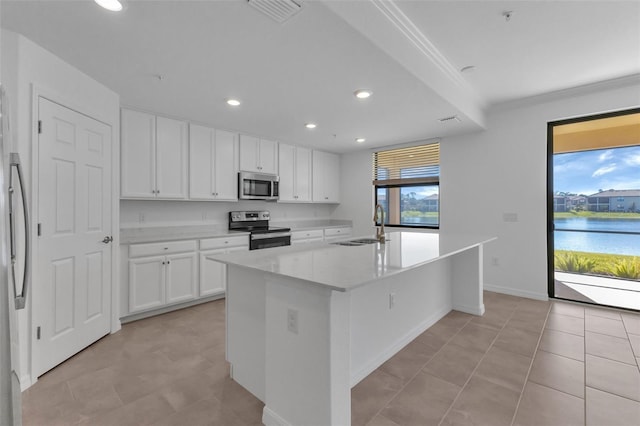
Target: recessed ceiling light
<point x="362" y="93"/>
<point x="112" y="5"/>
<point x="360" y="140"/>
<point x="233" y="102"/>
<point x="310" y="125"/>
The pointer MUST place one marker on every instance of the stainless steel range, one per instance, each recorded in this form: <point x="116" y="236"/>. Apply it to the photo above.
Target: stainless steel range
<point x="262" y="235"/>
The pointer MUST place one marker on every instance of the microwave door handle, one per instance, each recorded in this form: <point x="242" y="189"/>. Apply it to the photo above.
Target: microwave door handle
<point x="20" y="300"/>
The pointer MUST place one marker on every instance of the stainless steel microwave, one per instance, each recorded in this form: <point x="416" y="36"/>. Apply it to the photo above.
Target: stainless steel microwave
<point x="258" y="186"/>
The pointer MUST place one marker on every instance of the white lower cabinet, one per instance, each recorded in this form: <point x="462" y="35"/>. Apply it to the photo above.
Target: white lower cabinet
<point x="213" y="275"/>
<point x="333" y="234"/>
<point x="301" y="237"/>
<point x="161" y="274"/>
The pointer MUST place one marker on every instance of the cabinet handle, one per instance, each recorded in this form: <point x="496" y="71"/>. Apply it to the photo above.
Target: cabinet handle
<point x="168" y="262"/>
<point x="163" y="263"/>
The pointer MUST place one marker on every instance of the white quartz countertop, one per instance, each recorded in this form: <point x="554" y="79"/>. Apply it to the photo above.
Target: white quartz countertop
<point x="344" y="268"/>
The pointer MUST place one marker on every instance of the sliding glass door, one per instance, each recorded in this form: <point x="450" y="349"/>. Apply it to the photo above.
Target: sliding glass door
<point x="594" y="209"/>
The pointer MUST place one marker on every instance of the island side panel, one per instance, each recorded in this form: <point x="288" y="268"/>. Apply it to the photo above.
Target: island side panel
<point x="388" y="314"/>
<point x="468" y="281"/>
<point x="307" y="364"/>
<point x="245" y="312"/>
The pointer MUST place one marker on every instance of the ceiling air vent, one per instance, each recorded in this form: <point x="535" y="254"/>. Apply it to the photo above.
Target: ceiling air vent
<point x="278" y="10"/>
<point x="451" y="119"/>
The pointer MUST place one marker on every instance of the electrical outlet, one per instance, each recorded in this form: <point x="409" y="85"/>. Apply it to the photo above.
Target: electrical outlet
<point x="292" y="320"/>
<point x="141" y="217"/>
<point x="392" y="300"/>
<point x="495" y="261"/>
<point x="510" y="217"/>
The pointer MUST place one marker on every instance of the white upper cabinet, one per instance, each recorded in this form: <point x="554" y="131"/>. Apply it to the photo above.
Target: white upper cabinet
<point x="171" y="158"/>
<point x="326" y="177"/>
<point x="213" y="164"/>
<point x="295" y="173"/>
<point x="138" y="154"/>
<point x="153" y="156"/>
<point x="258" y="155"/>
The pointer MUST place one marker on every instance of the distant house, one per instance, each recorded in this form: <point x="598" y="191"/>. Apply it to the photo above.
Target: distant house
<point x="432" y="202"/>
<point x="624" y="200"/>
<point x="565" y="203"/>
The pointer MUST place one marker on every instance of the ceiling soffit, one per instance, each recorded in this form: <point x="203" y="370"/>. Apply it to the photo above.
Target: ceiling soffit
<point x="389" y="28"/>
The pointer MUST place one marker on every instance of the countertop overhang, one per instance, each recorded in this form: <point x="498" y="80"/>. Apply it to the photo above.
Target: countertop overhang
<point x="344" y="268"/>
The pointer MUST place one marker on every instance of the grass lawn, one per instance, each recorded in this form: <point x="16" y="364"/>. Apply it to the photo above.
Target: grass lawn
<point x="597" y="215"/>
<point x="612" y="265"/>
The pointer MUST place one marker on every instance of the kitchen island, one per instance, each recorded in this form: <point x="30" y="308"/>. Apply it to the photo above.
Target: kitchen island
<point x="306" y="324"/>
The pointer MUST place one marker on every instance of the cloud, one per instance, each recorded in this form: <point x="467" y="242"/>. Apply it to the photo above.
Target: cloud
<point x="632" y="160"/>
<point x="604" y="170"/>
<point x="607" y="155"/>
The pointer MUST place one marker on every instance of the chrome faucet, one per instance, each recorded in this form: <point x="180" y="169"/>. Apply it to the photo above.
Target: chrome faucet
<point x="380" y="230"/>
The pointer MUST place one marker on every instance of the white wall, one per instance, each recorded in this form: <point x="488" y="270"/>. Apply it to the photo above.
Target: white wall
<point x="27" y="67"/>
<point x="499" y="170"/>
<point x="356" y="192"/>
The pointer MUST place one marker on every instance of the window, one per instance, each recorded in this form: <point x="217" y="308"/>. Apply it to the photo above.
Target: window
<point x="407" y="185"/>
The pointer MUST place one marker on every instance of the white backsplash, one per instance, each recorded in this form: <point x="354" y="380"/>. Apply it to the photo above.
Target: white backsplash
<point x="150" y="213"/>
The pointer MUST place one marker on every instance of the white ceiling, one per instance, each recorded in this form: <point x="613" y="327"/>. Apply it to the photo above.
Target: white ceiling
<point x="408" y="53"/>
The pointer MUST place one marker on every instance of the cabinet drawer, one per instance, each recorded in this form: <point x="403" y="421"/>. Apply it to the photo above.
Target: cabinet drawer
<point x="337" y="232"/>
<point x="153" y="249"/>
<point x="303" y="235"/>
<point x="222" y="242"/>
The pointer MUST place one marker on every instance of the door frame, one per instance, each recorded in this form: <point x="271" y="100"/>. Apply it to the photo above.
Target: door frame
<point x="550" y="225"/>
<point x="38" y="91"/>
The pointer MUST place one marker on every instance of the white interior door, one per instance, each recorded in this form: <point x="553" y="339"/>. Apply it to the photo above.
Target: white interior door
<point x="72" y="292"/>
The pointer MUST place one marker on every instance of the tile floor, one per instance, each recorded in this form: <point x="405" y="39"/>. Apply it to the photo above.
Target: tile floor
<point x="525" y="362"/>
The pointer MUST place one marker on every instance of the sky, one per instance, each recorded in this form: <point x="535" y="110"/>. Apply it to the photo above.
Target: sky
<point x="587" y="172"/>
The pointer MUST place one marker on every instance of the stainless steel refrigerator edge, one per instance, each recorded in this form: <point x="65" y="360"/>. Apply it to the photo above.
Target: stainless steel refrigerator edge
<point x="10" y="398"/>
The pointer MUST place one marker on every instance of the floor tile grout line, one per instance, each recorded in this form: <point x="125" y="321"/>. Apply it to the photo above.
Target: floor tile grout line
<point x="421" y="368"/>
<point x="477" y="365"/>
<point x="535" y="351"/>
<point x="614" y="394"/>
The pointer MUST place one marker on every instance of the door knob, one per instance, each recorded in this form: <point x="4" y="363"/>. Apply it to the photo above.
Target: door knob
<point x="107" y="239"/>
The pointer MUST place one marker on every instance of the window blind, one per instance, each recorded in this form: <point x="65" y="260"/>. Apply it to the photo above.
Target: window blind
<point x="407" y="166"/>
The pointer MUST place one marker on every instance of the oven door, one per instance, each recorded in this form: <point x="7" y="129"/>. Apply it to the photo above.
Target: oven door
<point x="262" y="241"/>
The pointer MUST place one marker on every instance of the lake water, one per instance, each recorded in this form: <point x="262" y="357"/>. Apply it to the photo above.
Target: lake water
<point x="596" y="242"/>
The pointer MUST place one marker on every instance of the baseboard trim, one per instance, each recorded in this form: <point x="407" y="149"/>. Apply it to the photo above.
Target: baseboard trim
<point x="164" y="310"/>
<point x="270" y="418"/>
<point x="473" y="310"/>
<point x="26" y="382"/>
<point x="370" y="367"/>
<point x="515" y="292"/>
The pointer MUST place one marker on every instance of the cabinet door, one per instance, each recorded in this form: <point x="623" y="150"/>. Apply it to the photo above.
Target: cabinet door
<point x="138" y="155"/>
<point x="213" y="275"/>
<point x="332" y="178"/>
<point x="249" y="153"/>
<point x="171" y="158"/>
<point x="303" y="174"/>
<point x="201" y="157"/>
<point x="287" y="154"/>
<point x="146" y="283"/>
<point x="318" y="177"/>
<point x="268" y="160"/>
<point x="181" y="277"/>
<point x="326" y="177"/>
<point x="226" y="166"/>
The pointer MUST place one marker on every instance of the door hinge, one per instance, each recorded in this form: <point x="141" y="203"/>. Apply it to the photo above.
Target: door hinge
<point x="38" y="332"/>
<point x="39" y="229"/>
<point x="39" y="126"/>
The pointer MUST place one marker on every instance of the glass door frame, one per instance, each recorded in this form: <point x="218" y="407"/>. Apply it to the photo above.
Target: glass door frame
<point x="550" y="217"/>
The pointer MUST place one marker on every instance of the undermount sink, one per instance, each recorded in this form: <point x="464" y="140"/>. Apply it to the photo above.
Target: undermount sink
<point x="357" y="242"/>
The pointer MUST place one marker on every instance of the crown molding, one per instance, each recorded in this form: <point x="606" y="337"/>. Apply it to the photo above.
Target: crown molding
<point x="401" y="21"/>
